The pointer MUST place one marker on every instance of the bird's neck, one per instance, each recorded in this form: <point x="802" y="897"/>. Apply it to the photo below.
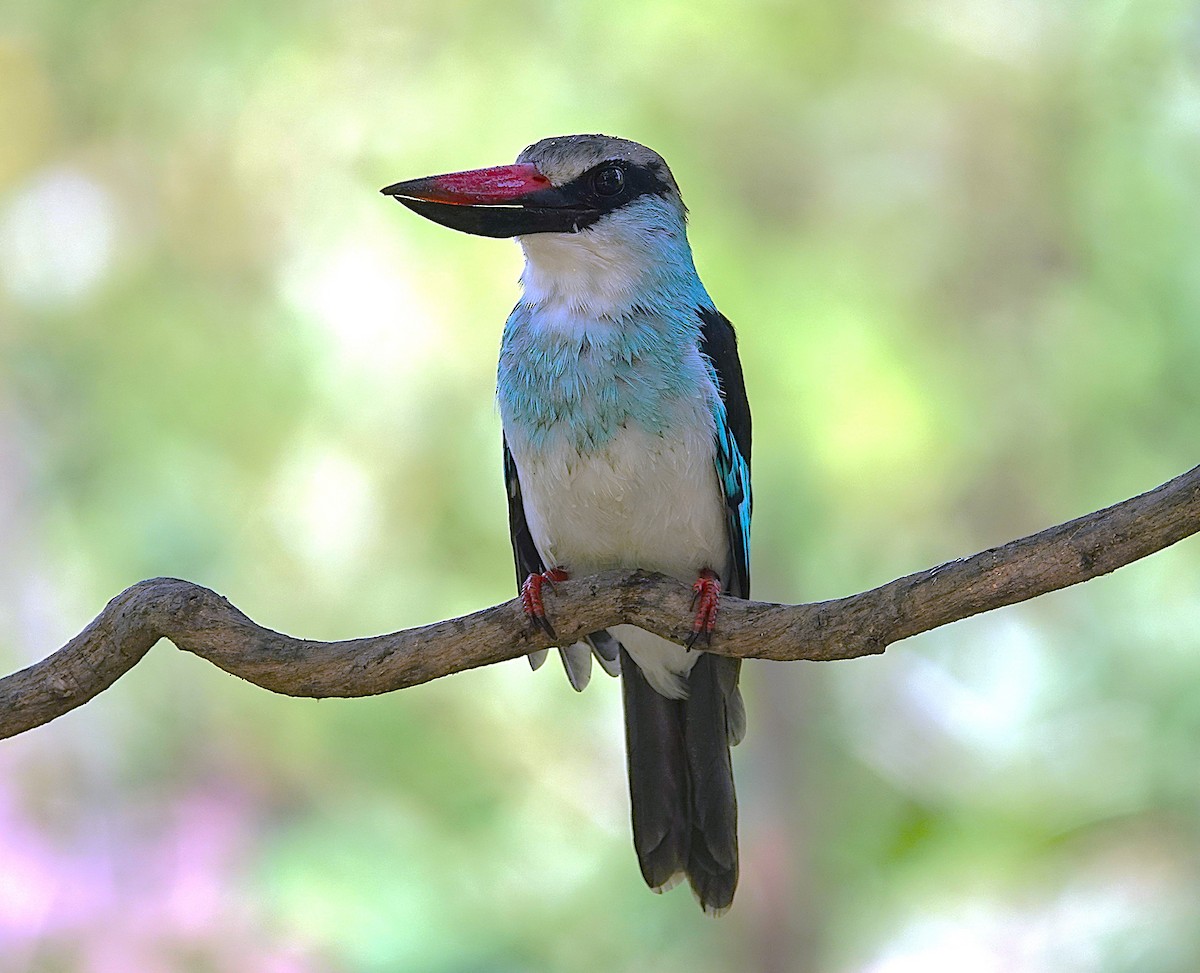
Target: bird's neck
<point x="583" y="280"/>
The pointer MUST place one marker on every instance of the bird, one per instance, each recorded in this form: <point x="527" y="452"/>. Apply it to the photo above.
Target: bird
<point x="626" y="444"/>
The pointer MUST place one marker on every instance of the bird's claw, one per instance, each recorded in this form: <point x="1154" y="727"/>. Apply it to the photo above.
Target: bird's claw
<point x="531" y="597"/>
<point x="706" y="596"/>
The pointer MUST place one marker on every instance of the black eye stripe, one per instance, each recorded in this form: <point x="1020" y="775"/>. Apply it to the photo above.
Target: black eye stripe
<point x="639" y="180"/>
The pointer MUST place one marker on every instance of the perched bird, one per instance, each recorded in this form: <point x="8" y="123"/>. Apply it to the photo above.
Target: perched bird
<point x="626" y="445"/>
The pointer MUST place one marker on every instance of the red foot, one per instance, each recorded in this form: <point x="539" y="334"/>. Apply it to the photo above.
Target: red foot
<point x="706" y="595"/>
<point x="531" y="597"/>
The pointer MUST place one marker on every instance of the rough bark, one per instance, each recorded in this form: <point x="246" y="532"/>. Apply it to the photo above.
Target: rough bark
<point x="202" y="622"/>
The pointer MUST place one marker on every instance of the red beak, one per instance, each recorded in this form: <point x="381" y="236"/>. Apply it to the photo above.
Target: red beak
<point x="503" y="201"/>
<point x="477" y="187"/>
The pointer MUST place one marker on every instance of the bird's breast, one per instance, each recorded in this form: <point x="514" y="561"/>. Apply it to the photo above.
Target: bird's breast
<point x="646" y="499"/>
<point x="611" y="424"/>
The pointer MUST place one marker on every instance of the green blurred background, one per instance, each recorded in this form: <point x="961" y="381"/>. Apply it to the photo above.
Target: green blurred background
<point x="961" y="241"/>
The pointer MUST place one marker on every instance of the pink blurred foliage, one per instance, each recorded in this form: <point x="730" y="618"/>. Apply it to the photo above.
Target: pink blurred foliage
<point x="130" y="893"/>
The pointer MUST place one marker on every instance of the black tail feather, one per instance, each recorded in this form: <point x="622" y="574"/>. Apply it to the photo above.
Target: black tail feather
<point x="681" y="781"/>
<point x="658" y="779"/>
<point x="712" y="866"/>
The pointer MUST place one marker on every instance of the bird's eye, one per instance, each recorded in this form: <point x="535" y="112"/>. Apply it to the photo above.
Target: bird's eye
<point x="608" y="181"/>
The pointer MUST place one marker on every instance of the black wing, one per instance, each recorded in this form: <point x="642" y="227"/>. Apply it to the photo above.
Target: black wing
<point x="525" y="555"/>
<point x="718" y="343"/>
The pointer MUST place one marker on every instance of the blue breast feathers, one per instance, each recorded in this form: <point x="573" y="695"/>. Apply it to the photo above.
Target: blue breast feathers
<point x="583" y="381"/>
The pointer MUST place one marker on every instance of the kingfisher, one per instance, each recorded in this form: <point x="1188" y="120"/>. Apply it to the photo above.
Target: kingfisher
<point x="626" y="444"/>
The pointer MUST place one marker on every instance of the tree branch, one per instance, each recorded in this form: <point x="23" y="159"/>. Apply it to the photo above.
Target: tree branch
<point x="200" y="621"/>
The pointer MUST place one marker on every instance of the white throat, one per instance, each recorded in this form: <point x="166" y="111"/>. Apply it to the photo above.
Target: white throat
<point x="636" y="256"/>
<point x="585" y="273"/>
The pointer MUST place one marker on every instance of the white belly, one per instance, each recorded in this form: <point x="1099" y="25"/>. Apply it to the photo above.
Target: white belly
<point x="641" y="501"/>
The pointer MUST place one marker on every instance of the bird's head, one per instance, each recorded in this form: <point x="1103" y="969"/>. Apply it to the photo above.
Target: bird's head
<point x="594" y="214"/>
<point x="566" y="184"/>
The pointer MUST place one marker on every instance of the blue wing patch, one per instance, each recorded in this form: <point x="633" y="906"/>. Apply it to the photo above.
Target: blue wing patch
<point x="734" y="474"/>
